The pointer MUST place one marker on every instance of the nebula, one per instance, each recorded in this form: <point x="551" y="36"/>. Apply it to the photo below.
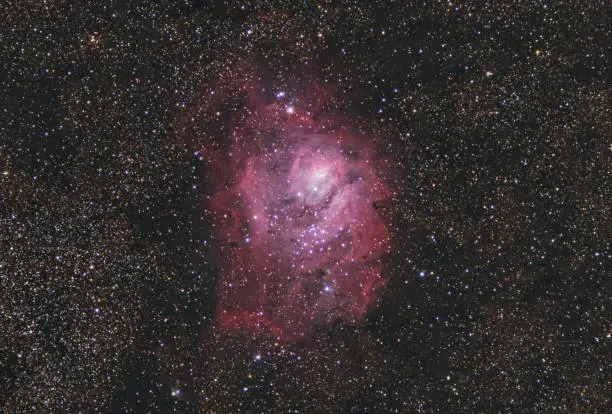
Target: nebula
<point x="295" y="205"/>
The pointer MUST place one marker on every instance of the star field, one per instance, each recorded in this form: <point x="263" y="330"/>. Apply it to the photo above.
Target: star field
<point x="448" y="165"/>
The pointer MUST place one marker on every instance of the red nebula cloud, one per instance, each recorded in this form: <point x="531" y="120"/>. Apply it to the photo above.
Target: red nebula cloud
<point x="295" y="217"/>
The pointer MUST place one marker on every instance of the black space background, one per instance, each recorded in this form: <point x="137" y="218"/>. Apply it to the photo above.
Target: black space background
<point x="499" y="118"/>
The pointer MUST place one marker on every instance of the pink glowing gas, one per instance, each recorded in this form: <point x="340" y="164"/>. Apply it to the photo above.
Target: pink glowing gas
<point x="294" y="210"/>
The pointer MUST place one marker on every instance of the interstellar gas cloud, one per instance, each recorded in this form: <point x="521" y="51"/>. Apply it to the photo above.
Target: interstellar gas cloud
<point x="296" y="201"/>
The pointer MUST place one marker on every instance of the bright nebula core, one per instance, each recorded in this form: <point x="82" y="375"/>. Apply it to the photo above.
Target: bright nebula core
<point x="296" y="209"/>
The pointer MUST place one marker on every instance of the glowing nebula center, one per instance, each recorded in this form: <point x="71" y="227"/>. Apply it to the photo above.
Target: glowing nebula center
<point x="294" y="211"/>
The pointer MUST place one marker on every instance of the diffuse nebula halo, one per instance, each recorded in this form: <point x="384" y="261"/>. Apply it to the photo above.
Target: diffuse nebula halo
<point x="295" y="208"/>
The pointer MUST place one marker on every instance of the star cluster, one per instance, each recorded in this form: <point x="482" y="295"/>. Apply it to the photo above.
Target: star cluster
<point x="448" y="165"/>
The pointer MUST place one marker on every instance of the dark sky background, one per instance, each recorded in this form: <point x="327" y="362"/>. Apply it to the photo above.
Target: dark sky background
<point x="498" y="293"/>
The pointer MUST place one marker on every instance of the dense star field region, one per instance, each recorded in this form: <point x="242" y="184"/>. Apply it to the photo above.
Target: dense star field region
<point x="305" y="207"/>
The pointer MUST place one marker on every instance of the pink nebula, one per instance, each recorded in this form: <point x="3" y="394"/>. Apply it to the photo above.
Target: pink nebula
<point x="296" y="220"/>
